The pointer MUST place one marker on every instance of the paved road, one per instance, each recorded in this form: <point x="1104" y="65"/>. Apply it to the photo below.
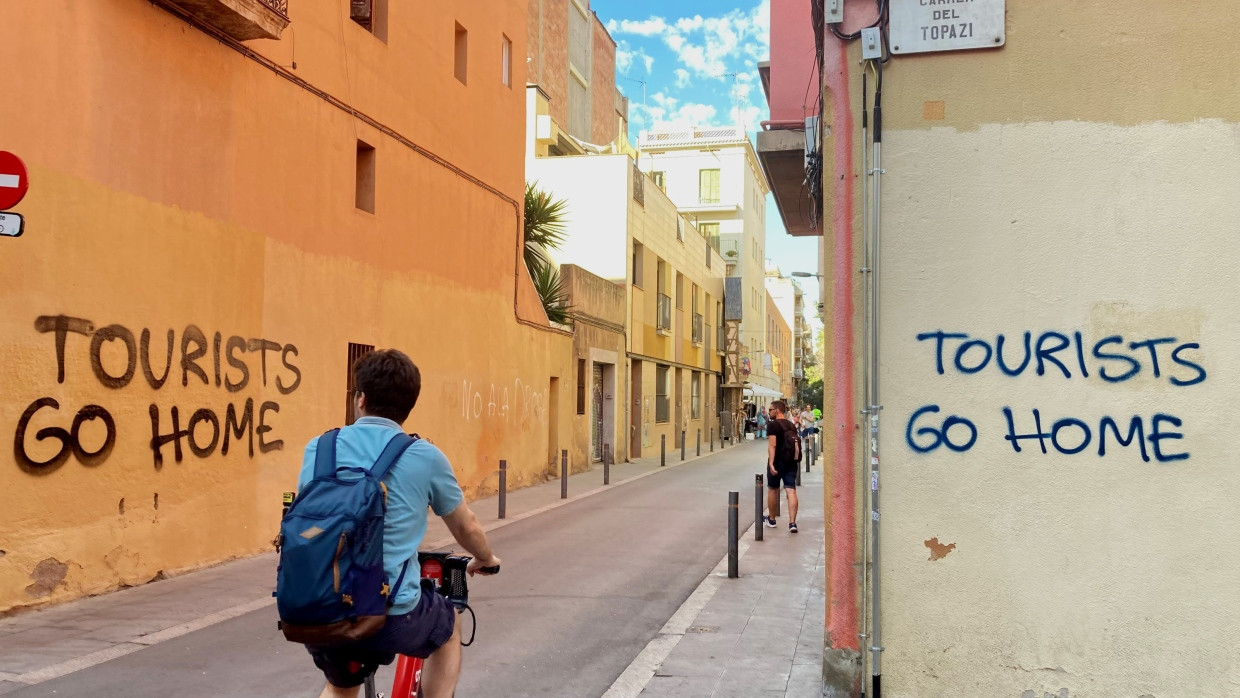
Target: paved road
<point x="584" y="588"/>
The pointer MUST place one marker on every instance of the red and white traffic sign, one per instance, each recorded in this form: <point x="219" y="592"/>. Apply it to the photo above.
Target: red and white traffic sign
<point x="14" y="181"/>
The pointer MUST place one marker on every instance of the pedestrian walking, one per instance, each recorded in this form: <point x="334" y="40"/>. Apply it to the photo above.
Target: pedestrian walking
<point x="783" y="453"/>
<point x="762" y="419"/>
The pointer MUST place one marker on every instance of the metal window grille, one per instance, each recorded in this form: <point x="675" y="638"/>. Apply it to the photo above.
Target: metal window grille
<point x="356" y="351"/>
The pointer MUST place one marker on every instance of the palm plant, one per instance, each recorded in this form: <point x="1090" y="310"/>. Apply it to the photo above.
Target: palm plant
<point x="544" y="229"/>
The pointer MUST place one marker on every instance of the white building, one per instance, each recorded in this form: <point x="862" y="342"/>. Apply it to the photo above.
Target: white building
<point x="714" y="178"/>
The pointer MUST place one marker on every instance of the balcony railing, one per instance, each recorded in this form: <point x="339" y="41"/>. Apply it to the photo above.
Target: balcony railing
<point x="664" y="321"/>
<point x="241" y="19"/>
<point x="698" y="326"/>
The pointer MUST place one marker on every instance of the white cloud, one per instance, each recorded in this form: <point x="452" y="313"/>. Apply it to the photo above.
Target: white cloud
<point x="644" y="27"/>
<point x="682" y="77"/>
<point x="624" y="57"/>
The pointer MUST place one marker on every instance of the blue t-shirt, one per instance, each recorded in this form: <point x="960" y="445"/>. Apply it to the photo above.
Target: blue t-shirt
<point x="422" y="478"/>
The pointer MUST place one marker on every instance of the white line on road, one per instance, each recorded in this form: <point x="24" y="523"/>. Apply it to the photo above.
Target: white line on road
<point x="86" y="661"/>
<point x="633" y="680"/>
<point x="200" y="623"/>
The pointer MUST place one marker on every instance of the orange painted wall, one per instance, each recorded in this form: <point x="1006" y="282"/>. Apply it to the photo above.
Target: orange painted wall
<point x="178" y="183"/>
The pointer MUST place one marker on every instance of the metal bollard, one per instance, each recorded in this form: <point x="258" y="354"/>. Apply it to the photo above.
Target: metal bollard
<point x="564" y="474"/>
<point x="606" y="464"/>
<point x="712" y="439"/>
<point x="799" y="475"/>
<point x="682" y="444"/>
<point x="809" y="459"/>
<point x="757" y="507"/>
<point x="662" y="450"/>
<point x="699" y="442"/>
<point x="503" y="489"/>
<point x="734" y="505"/>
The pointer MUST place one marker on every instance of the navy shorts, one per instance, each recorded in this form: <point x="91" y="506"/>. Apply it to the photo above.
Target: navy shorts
<point x="787" y="475"/>
<point x="417" y="633"/>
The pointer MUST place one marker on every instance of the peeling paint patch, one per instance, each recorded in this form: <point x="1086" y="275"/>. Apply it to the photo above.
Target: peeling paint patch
<point x="120" y="508"/>
<point x="47" y="575"/>
<point x="934" y="111"/>
<point x="938" y="551"/>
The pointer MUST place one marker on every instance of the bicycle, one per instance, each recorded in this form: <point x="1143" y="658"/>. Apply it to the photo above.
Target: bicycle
<point x="446" y="574"/>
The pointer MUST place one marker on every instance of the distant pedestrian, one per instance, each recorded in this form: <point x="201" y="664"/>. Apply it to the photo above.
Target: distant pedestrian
<point x="762" y="419"/>
<point x="783" y="452"/>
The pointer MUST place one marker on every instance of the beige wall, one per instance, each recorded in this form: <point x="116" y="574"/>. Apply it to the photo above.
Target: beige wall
<point x="598" y="308"/>
<point x="1079" y="184"/>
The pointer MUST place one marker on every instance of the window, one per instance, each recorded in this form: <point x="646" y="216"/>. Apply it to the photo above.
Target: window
<point x="364" y="193"/>
<point x="506" y="62"/>
<point x="370" y="15"/>
<point x="695" y="404"/>
<point x="659" y="180"/>
<point x="710" y="231"/>
<point x="680" y="291"/>
<point x="664" y="303"/>
<point x="639" y="264"/>
<point x="698" y="320"/>
<point x="581" y="386"/>
<point x="708" y="186"/>
<point x="356" y="351"/>
<point x="462" y="53"/>
<point x="662" y="387"/>
<point x="680" y="229"/>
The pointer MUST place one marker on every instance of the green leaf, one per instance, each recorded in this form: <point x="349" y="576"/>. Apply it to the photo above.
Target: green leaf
<point x="554" y="299"/>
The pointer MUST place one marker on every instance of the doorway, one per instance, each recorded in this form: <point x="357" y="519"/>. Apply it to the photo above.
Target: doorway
<point x="680" y="409"/>
<point x="636" y="416"/>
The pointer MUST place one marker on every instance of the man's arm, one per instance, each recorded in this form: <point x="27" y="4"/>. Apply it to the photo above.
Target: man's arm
<point x="464" y="526"/>
<point x="770" y="454"/>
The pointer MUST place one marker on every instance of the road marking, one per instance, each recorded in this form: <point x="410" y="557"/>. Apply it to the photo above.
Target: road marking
<point x="86" y="661"/>
<point x="199" y="623"/>
<point x="633" y="680"/>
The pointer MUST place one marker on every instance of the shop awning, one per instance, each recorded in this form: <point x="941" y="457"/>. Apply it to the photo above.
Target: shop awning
<point x="760" y="391"/>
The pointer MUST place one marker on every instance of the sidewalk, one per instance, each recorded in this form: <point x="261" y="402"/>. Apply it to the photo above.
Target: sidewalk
<point x="41" y="645"/>
<point x="759" y="635"/>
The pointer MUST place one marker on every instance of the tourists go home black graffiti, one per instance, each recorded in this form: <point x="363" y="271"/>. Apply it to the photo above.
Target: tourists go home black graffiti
<point x="197" y="358"/>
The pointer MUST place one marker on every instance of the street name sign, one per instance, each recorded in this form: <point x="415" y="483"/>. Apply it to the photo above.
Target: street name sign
<point x="921" y="26"/>
<point x="10" y="225"/>
<point x="14" y="181"/>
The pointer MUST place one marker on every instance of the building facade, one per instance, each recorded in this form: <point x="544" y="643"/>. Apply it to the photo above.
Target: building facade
<point x="1039" y="343"/>
<point x="789" y="302"/>
<point x="623" y="229"/>
<point x="714" y="178"/>
<point x="212" y="236"/>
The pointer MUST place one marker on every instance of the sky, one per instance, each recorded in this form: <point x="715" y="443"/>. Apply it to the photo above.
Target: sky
<point x="695" y="62"/>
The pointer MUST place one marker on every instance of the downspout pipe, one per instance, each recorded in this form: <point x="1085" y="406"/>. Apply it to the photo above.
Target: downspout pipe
<point x="864" y="453"/>
<point x="875" y="406"/>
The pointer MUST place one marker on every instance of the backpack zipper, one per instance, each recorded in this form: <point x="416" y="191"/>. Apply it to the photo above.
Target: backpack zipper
<point x="336" y="562"/>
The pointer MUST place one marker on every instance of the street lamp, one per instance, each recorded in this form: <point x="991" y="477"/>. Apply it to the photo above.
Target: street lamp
<point x="805" y="275"/>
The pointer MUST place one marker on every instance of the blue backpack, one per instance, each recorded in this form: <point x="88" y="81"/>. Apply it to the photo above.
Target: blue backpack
<point x="330" y="584"/>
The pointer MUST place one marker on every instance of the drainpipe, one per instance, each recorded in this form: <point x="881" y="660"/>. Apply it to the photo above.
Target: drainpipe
<point x="875" y="407"/>
<point x="864" y="452"/>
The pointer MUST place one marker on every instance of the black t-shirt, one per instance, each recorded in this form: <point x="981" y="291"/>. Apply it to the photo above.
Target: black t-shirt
<point x="782" y="430"/>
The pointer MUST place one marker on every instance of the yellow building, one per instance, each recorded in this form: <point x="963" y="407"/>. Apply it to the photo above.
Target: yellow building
<point x="777" y="350"/>
<point x="1031" y="317"/>
<point x="215" y="228"/>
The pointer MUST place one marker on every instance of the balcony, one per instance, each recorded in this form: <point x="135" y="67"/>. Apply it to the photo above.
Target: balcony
<point x="698" y="326"/>
<point x="664" y="321"/>
<point x="243" y="20"/>
<point x="722" y="346"/>
<point x="782" y="142"/>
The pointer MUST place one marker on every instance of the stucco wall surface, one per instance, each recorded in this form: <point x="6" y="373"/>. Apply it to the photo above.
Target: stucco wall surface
<point x="1095" y="566"/>
<point x="195" y="216"/>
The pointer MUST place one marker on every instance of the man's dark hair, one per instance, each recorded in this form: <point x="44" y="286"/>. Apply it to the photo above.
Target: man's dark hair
<point x="390" y="381"/>
<point x="781" y="406"/>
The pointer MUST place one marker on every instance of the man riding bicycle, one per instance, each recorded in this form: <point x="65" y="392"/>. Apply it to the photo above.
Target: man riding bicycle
<point x="419" y="623"/>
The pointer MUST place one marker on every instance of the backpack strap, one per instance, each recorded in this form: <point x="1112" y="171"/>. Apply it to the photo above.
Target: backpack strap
<point x="325" y="455"/>
<point x="391" y="453"/>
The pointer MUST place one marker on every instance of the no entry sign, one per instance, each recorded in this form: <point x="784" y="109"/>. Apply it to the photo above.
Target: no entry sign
<point x="13" y="180"/>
